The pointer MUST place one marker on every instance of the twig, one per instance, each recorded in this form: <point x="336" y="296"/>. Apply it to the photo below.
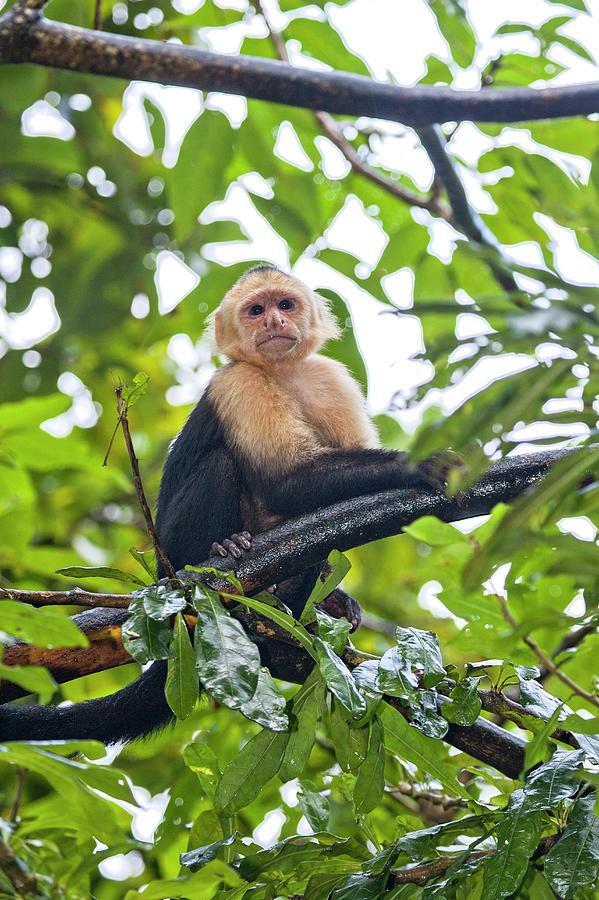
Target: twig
<point x="23" y="882"/>
<point x="20" y="777"/>
<point x="571" y="640"/>
<point x="74" y="597"/>
<point x="405" y="789"/>
<point x="98" y="15"/>
<point x="335" y="134"/>
<point x="545" y="660"/>
<point x="421" y="873"/>
<point x="464" y="216"/>
<point x="35" y="39"/>
<point x="122" y="409"/>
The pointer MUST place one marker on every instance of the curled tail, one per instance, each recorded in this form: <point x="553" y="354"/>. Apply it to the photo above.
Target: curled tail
<point x="132" y="712"/>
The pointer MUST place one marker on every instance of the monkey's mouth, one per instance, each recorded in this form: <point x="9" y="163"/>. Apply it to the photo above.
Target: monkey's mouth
<point x="277" y="337"/>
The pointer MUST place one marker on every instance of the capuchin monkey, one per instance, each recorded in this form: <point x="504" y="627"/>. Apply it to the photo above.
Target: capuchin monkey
<point x="279" y="431"/>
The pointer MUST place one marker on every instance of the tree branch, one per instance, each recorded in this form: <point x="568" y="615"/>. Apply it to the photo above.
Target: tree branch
<point x="27" y="37"/>
<point x="334" y="132"/>
<point x="279" y="653"/>
<point x="464" y="217"/>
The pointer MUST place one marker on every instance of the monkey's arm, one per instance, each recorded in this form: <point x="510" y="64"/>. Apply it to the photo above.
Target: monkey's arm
<point x="199" y="499"/>
<point x="341" y="474"/>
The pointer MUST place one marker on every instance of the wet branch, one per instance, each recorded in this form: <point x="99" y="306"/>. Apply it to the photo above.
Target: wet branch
<point x="26" y="36"/>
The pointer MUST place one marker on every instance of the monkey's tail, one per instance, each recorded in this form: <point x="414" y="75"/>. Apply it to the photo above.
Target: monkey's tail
<point x="132" y="712"/>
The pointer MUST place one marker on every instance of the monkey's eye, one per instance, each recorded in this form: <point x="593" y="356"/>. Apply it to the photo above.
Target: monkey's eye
<point x="256" y="310"/>
<point x="286" y="303"/>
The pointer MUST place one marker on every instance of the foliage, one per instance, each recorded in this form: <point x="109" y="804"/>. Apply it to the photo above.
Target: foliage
<point x="113" y="254"/>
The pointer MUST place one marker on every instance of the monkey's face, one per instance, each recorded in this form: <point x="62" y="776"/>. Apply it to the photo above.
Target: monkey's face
<point x="269" y="317"/>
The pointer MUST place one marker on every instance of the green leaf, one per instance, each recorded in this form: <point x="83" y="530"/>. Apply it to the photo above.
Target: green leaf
<point x="574" y="861"/>
<point x="161" y="601"/>
<point x="408" y="743"/>
<point x="100" y="572"/>
<point x="517" y="837"/>
<point x="370" y="782"/>
<point x="281" y="618"/>
<point x="351" y="744"/>
<point x="339" y="680"/>
<point x="425" y="716"/>
<point x="314" y="805"/>
<point x="146" y="559"/>
<point x="334" y="632"/>
<point x="267" y="706"/>
<point x="548" y="785"/>
<point x="181" y="689"/>
<point x="465" y="704"/>
<point x="435" y="532"/>
<point x="564" y="476"/>
<point x="228" y="662"/>
<point x="196" y="859"/>
<point x="535" y="750"/>
<point x="146" y="639"/>
<point x="40" y="627"/>
<point x="340" y="566"/>
<point x="306" y="709"/>
<point x="245" y="776"/>
<point x="202" y="760"/>
<point x="421" y="649"/>
<point x="29" y="411"/>
<point x="137" y="390"/>
<point x="33" y="679"/>
<point x="69" y="778"/>
<point x="199" y="175"/>
<point x="395" y="675"/>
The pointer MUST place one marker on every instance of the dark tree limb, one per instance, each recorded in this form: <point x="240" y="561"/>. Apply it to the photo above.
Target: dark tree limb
<point x="28" y="37"/>
<point x="284" y="658"/>
<point x="302" y="542"/>
<point x="464" y="217"/>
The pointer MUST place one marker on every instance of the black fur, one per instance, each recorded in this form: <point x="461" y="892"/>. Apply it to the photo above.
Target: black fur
<point x="200" y="501"/>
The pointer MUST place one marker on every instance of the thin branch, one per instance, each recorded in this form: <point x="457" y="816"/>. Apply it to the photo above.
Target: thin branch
<point x="545" y="660"/>
<point x="335" y="134"/>
<point x="464" y="217"/>
<point x="27" y="37"/>
<point x="98" y="15"/>
<point x="405" y="789"/>
<point x="22" y="881"/>
<point x="20" y="779"/>
<point x="122" y="408"/>
<point x="571" y="640"/>
<point x="74" y="597"/>
<point x="421" y="873"/>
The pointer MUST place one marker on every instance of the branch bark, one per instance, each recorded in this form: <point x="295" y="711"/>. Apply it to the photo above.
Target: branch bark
<point x="28" y="37"/>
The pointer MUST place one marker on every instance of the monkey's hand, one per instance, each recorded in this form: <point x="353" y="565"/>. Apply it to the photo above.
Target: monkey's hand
<point x="234" y="546"/>
<point x="434" y="471"/>
<point x="339" y="604"/>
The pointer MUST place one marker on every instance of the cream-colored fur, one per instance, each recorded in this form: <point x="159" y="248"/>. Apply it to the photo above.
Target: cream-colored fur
<point x="279" y="413"/>
<point x="279" y="418"/>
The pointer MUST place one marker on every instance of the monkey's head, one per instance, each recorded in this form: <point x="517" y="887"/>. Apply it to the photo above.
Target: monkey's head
<point x="269" y="316"/>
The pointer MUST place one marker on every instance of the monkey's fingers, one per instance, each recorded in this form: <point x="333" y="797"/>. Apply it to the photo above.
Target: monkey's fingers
<point x="218" y="548"/>
<point x="434" y="471"/>
<point x="234" y="545"/>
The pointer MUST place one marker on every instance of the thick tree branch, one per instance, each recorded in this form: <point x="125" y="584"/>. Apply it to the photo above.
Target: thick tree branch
<point x="27" y="37"/>
<point x="283" y="657"/>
